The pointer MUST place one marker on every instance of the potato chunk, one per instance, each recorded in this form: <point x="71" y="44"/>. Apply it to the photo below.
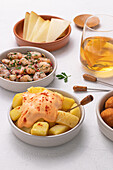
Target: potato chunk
<point x="66" y="118"/>
<point x="76" y="111"/>
<point x="35" y="89"/>
<point x="27" y="130"/>
<point x="40" y="129"/>
<point x="51" y="124"/>
<point x="67" y="103"/>
<point x="15" y="113"/>
<point x="61" y="96"/>
<point x="58" y="129"/>
<point x="17" y="100"/>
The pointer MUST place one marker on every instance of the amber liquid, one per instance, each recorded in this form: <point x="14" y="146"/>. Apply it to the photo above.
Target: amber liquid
<point x="97" y="53"/>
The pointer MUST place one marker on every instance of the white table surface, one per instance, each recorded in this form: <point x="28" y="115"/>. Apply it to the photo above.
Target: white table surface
<point x="90" y="150"/>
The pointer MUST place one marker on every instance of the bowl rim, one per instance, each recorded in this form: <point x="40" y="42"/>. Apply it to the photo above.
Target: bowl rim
<point x="103" y="98"/>
<point x="45" y="43"/>
<point x="25" y="47"/>
<point x="51" y="136"/>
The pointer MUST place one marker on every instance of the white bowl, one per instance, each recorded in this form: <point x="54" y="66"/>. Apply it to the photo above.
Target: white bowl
<point x="104" y="128"/>
<point x="22" y="86"/>
<point x="49" y="141"/>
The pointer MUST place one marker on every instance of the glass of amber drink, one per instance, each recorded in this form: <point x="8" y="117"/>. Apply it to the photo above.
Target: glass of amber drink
<point x="96" y="52"/>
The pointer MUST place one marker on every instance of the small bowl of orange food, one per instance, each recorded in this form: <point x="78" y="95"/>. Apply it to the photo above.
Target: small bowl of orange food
<point x="44" y="31"/>
<point x="40" y="116"/>
<point x="105" y="115"/>
<point x="26" y="67"/>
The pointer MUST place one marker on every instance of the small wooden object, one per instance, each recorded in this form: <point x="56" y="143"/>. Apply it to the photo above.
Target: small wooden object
<point x="79" y="88"/>
<point x="84" y="101"/>
<point x="80" y="20"/>
<point x="84" y="88"/>
<point x="94" y="79"/>
<point x="89" y="78"/>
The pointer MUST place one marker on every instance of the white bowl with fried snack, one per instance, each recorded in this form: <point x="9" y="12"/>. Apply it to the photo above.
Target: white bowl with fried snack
<point x="104" y="128"/>
<point x="53" y="140"/>
<point x="22" y="86"/>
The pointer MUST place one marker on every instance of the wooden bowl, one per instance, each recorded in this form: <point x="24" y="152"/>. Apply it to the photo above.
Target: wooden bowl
<point x="81" y="19"/>
<point x="50" y="46"/>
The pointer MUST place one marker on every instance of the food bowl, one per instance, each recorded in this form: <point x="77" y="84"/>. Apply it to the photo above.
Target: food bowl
<point x="22" y="86"/>
<point x="50" y="46"/>
<point x="49" y="141"/>
<point x="104" y="128"/>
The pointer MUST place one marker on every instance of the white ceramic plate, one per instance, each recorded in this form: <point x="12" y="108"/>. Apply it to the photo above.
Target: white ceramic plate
<point x="104" y="128"/>
<point x="22" y="86"/>
<point x="49" y="141"/>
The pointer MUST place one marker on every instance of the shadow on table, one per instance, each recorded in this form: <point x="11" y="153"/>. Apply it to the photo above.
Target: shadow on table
<point x="77" y="145"/>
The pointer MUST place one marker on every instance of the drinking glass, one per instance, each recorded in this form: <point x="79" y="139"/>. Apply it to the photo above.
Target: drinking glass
<point x="96" y="52"/>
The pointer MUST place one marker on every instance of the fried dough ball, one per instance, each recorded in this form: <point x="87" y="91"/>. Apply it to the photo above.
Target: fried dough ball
<point x="107" y="116"/>
<point x="109" y="103"/>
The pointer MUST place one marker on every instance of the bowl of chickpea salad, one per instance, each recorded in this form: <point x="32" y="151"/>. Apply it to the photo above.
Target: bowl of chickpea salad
<point x="23" y="67"/>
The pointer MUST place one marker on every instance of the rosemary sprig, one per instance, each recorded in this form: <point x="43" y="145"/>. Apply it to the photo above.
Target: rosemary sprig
<point x="63" y="76"/>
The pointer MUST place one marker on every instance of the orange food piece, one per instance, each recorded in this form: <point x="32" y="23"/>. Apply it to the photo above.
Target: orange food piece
<point x="39" y="105"/>
<point x="107" y="116"/>
<point x="109" y="103"/>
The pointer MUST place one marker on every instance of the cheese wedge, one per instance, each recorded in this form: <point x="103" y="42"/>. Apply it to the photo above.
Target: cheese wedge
<point x="62" y="35"/>
<point x="57" y="27"/>
<point x="36" y="28"/>
<point x="42" y="34"/>
<point x="32" y="21"/>
<point x="26" y="20"/>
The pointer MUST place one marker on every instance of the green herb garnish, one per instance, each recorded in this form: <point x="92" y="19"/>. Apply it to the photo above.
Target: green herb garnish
<point x="26" y="57"/>
<point x="41" y="72"/>
<point x="19" y="67"/>
<point x="30" y="66"/>
<point x="63" y="76"/>
<point x="14" y="61"/>
<point x="28" y="54"/>
<point x="12" y="65"/>
<point x="41" y="66"/>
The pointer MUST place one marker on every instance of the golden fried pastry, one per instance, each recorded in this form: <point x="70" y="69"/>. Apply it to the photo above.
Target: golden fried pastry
<point x="109" y="103"/>
<point x="107" y="116"/>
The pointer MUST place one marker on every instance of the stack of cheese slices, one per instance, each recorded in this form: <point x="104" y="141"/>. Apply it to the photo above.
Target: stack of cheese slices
<point x="36" y="29"/>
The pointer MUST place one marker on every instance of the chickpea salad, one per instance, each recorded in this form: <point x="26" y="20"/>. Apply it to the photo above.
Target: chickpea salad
<point x="25" y="67"/>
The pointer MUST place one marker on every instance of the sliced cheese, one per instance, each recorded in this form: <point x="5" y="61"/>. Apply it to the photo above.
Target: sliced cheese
<point x="26" y="20"/>
<point x="42" y="34"/>
<point x="32" y="21"/>
<point x="62" y="35"/>
<point x="36" y="28"/>
<point x="57" y="27"/>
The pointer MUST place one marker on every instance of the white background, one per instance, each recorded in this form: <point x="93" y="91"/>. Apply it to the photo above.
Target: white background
<point x="90" y="150"/>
